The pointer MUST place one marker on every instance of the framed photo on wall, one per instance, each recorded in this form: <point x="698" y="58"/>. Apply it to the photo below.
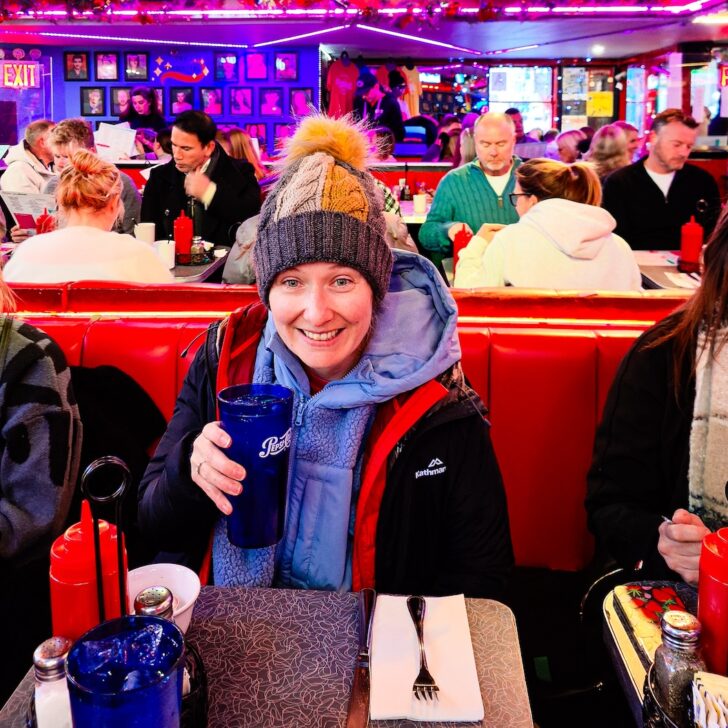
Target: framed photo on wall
<point x="256" y="68"/>
<point x="180" y="99"/>
<point x="281" y="132"/>
<point x="136" y="66"/>
<point x="286" y="67"/>
<point x="241" y="100"/>
<point x="107" y="66"/>
<point x="211" y="100"/>
<point x="93" y="101"/>
<point x="226" y="67"/>
<point x="120" y="100"/>
<point x="271" y="102"/>
<point x="75" y="66"/>
<point x="257" y="131"/>
<point x="301" y="101"/>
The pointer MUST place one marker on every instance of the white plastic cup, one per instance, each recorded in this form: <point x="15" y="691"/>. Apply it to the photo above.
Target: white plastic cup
<point x="420" y="204"/>
<point x="165" y="252"/>
<point x="145" y="231"/>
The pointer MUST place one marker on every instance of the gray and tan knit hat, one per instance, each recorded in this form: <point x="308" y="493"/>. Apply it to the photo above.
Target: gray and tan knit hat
<point x="324" y="208"/>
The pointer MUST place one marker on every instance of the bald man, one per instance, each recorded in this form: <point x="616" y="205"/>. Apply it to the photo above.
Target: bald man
<point x="476" y="194"/>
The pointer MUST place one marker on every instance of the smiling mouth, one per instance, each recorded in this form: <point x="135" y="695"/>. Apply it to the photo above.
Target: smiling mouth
<point x="323" y="336"/>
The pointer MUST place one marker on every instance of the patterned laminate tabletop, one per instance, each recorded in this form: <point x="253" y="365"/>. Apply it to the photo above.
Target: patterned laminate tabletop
<point x="280" y="658"/>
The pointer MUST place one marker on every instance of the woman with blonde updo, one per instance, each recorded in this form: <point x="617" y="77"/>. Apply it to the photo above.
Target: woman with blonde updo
<point x="608" y="151"/>
<point x="567" y="144"/>
<point x="563" y="239"/>
<point x="89" y="200"/>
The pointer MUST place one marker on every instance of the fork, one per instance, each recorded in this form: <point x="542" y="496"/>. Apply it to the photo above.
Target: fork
<point x="424" y="685"/>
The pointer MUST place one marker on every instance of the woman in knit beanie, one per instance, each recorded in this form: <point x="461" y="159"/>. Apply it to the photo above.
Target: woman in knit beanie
<point x="393" y="482"/>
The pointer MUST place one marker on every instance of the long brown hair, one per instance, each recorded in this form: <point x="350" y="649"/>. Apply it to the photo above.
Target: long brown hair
<point x="706" y="310"/>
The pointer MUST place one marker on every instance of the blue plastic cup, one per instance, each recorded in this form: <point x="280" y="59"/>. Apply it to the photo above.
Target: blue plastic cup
<point x="127" y="672"/>
<point x="258" y="419"/>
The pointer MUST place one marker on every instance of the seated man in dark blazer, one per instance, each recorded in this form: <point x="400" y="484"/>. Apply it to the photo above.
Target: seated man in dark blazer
<point x="224" y="190"/>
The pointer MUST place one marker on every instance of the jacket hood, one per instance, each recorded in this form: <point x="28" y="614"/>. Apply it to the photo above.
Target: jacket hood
<point x="18" y="153"/>
<point x="578" y="230"/>
<point x="415" y="339"/>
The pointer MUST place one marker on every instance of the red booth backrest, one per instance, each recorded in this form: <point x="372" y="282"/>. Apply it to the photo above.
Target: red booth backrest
<point x="544" y="388"/>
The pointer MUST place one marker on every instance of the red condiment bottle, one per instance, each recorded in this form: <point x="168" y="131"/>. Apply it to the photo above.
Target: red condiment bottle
<point x="462" y="238"/>
<point x="74" y="602"/>
<point x="45" y="223"/>
<point x="691" y="243"/>
<point x="713" y="600"/>
<point x="183" y="238"/>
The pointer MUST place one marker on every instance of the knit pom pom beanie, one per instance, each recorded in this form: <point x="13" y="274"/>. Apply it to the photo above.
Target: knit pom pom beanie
<point x="324" y="208"/>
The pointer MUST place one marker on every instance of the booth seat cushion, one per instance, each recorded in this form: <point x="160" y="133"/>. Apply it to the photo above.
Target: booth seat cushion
<point x="542" y="405"/>
<point x="544" y="388"/>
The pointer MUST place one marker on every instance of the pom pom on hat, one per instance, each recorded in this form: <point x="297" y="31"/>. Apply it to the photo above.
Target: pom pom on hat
<point x="324" y="208"/>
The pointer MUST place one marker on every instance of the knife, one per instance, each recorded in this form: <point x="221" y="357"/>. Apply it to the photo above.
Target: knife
<point x="358" y="714"/>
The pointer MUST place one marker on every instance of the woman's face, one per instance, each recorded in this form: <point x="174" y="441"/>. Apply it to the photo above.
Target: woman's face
<point x="180" y="96"/>
<point x="323" y="314"/>
<point x="141" y="105"/>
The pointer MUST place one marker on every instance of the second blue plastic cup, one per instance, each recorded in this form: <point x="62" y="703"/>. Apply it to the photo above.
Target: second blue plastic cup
<point x="127" y="673"/>
<point x="258" y="419"/>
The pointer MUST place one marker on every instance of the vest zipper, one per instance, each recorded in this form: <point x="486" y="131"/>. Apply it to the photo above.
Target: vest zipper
<point x="500" y="201"/>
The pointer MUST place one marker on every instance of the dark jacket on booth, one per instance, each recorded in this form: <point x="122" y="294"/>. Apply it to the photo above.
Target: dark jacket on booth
<point x="648" y="221"/>
<point x="641" y="454"/>
<point x="440" y="522"/>
<point x="236" y="199"/>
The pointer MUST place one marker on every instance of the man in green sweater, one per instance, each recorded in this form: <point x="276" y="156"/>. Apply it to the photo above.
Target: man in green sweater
<point x="476" y="194"/>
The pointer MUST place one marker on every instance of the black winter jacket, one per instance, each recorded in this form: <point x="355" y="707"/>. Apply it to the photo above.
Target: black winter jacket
<point x="443" y="522"/>
<point x="641" y="454"/>
<point x="649" y="222"/>
<point x="236" y="199"/>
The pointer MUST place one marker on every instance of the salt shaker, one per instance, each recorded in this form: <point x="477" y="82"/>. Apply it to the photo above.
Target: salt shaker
<point x="155" y="601"/>
<point x="677" y="659"/>
<point x="52" y="703"/>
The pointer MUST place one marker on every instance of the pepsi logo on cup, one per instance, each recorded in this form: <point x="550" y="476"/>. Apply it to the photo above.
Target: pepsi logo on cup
<point x="276" y="445"/>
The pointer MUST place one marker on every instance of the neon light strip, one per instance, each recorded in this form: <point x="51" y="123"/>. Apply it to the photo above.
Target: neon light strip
<point x="426" y="41"/>
<point x="299" y="37"/>
<point x="80" y="36"/>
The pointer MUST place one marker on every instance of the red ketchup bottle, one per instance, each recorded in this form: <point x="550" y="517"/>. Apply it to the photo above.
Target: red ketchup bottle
<point x="691" y="243"/>
<point x="45" y="223"/>
<point x="462" y="238"/>
<point x="183" y="238"/>
<point x="713" y="600"/>
<point x="74" y="601"/>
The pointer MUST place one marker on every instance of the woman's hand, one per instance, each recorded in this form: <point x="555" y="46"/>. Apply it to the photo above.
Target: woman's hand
<point x="18" y="234"/>
<point x="680" y="543"/>
<point x="488" y="230"/>
<point x="212" y="470"/>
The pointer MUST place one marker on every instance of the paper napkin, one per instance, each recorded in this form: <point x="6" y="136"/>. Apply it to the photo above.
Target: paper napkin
<point x="395" y="662"/>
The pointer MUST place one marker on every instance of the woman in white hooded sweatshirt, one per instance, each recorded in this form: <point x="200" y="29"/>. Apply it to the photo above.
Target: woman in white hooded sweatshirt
<point x="563" y="239"/>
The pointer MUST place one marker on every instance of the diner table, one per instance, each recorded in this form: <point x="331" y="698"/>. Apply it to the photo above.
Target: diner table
<point x="200" y="273"/>
<point x="282" y="658"/>
<point x="659" y="270"/>
<point x="630" y="663"/>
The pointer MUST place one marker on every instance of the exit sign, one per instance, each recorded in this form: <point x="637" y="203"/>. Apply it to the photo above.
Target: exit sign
<point x="20" y="74"/>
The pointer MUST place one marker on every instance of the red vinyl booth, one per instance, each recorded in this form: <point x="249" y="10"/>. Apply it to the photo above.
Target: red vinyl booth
<point x="543" y="376"/>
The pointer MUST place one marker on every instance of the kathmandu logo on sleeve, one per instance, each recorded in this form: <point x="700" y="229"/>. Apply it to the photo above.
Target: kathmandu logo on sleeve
<point x="436" y="467"/>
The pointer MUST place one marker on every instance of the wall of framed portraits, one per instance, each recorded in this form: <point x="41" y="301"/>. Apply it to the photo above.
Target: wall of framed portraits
<point x="262" y="91"/>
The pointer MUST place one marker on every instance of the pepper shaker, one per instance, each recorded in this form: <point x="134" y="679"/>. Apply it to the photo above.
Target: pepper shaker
<point x="677" y="659"/>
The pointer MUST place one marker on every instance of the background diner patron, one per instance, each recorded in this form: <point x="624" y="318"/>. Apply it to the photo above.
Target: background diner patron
<point x="89" y="198"/>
